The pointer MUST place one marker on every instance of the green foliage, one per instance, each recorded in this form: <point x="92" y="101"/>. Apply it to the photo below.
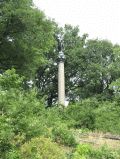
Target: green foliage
<point x="93" y="114"/>
<point x="41" y="148"/>
<point x="115" y="85"/>
<point x="85" y="151"/>
<point x="105" y="153"/>
<point x="90" y="67"/>
<point x="20" y="112"/>
<point x="6" y="135"/>
<point x="28" y="43"/>
<point x="25" y="35"/>
<point x="13" y="154"/>
<point x="81" y="115"/>
<point x="62" y="135"/>
<point x="55" y="112"/>
<point x="107" y="118"/>
<point x="10" y="80"/>
<point x="82" y="152"/>
<point x="24" y="117"/>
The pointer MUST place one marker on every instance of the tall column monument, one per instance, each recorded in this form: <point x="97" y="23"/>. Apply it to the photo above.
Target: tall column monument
<point x="61" y="74"/>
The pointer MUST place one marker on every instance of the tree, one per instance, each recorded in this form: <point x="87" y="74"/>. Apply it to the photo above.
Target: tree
<point x="97" y="73"/>
<point x="20" y="113"/>
<point x="90" y="67"/>
<point x="47" y="74"/>
<point x="25" y="35"/>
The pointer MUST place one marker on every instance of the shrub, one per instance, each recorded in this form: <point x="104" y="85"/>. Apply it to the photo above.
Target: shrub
<point x="104" y="153"/>
<point x="82" y="114"/>
<point x="82" y="151"/>
<point x="10" y="79"/>
<point x="6" y="135"/>
<point x="13" y="154"/>
<point x="21" y="112"/>
<point x="85" y="151"/>
<point x="53" y="116"/>
<point x="107" y="118"/>
<point x="62" y="135"/>
<point x="41" y="148"/>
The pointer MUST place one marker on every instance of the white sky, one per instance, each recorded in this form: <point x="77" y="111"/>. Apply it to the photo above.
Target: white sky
<point x="99" y="18"/>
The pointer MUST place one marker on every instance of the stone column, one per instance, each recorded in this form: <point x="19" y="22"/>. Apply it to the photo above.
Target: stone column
<point x="61" y="83"/>
<point x="61" y="76"/>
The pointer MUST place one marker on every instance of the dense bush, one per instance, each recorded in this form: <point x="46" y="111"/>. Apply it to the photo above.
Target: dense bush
<point x="53" y="116"/>
<point x="107" y="118"/>
<point x="21" y="112"/>
<point x="82" y="151"/>
<point x="104" y="153"/>
<point x="62" y="135"/>
<point x="41" y="148"/>
<point x="85" y="151"/>
<point x="6" y="135"/>
<point x="13" y="154"/>
<point x="93" y="115"/>
<point x="81" y="115"/>
<point x="24" y="117"/>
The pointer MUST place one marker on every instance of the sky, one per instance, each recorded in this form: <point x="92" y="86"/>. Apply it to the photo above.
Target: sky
<point x="99" y="18"/>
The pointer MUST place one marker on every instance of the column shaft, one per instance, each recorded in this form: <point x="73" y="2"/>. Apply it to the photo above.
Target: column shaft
<point x="61" y="83"/>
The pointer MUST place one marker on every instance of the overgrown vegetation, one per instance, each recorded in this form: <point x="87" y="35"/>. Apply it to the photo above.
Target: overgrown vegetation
<point x="32" y="125"/>
<point x="87" y="152"/>
<point x="25" y="118"/>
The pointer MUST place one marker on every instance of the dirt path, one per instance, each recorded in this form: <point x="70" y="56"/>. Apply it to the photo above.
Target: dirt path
<point x="98" y="139"/>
